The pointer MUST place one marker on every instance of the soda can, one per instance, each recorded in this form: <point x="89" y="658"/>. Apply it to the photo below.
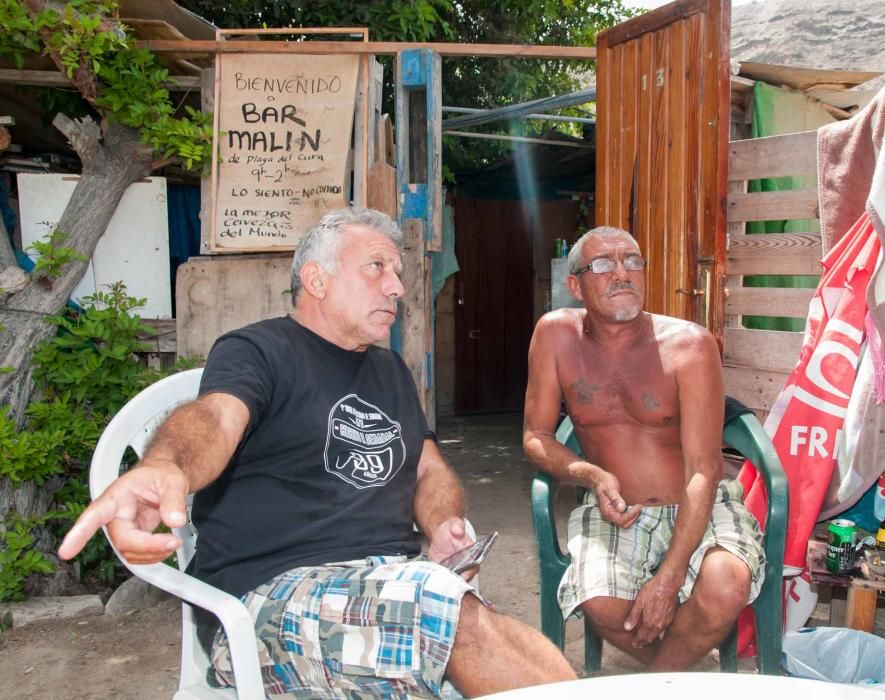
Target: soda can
<point x="841" y="543"/>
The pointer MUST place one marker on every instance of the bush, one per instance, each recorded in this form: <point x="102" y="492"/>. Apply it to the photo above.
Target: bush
<point x="86" y="374"/>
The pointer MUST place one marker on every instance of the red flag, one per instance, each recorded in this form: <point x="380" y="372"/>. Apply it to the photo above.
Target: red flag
<point x="805" y="420"/>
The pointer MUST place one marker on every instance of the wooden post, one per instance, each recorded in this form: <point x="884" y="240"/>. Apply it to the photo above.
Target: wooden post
<point x="412" y="317"/>
<point x="207" y="104"/>
<point x="419" y="184"/>
<point x="861" y="608"/>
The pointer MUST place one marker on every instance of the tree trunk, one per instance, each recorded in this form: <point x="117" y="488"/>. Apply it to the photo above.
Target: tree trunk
<point x="108" y="169"/>
<point x="110" y="165"/>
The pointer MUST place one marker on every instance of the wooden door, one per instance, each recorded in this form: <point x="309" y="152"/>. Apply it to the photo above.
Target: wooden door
<point x="493" y="304"/>
<point x="662" y="140"/>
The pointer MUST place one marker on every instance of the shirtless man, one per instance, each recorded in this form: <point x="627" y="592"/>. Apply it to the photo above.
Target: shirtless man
<point x="664" y="554"/>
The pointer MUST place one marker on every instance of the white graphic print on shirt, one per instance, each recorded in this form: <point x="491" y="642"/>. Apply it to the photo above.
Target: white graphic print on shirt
<point x="363" y="445"/>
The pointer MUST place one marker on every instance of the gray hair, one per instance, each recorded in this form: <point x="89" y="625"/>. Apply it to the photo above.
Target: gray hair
<point x="320" y="244"/>
<point x="574" y="256"/>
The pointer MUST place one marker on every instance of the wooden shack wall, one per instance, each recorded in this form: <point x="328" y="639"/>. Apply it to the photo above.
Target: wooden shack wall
<point x="757" y="362"/>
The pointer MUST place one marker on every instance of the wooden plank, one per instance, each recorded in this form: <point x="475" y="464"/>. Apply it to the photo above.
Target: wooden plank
<point x="386" y="144"/>
<point x="652" y="21"/>
<point x="774" y="254"/>
<point x="712" y="246"/>
<point x="685" y="247"/>
<point x="649" y="159"/>
<point x="733" y="279"/>
<point x="773" y="206"/>
<point x="161" y="29"/>
<point x="216" y="294"/>
<point x="381" y="194"/>
<point x="604" y="95"/>
<point x="434" y="143"/>
<point x="629" y="139"/>
<point x="360" y="159"/>
<point x="804" y="78"/>
<point x="756" y="389"/>
<point x="412" y="304"/>
<point x="207" y="185"/>
<point x="770" y="351"/>
<point x="256" y="31"/>
<point x="861" y="608"/>
<point x="429" y="388"/>
<point x="769" y="301"/>
<point x="773" y="156"/>
<point x="51" y="78"/>
<point x="380" y="48"/>
<point x="163" y="336"/>
<point x="657" y="119"/>
<point x="838" y="610"/>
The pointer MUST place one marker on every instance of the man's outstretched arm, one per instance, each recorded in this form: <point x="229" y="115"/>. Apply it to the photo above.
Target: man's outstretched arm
<point x="189" y="451"/>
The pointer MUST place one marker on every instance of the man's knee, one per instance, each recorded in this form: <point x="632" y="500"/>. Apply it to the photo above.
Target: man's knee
<point x="475" y="623"/>
<point x="723" y="586"/>
<point x="606" y="612"/>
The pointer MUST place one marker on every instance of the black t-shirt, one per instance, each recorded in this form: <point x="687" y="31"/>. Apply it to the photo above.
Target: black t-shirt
<point x="327" y="468"/>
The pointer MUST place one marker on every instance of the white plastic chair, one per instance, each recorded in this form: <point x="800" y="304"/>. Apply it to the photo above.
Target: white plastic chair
<point x="133" y="427"/>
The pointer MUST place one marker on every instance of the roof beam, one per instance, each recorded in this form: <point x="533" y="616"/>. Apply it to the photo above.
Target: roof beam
<point x="53" y="78"/>
<point x="379" y="48"/>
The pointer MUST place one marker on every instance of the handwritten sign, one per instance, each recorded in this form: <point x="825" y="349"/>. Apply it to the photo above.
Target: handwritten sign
<point x="283" y="141"/>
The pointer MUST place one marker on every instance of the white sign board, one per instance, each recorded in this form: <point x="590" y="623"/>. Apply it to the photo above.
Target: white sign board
<point x="134" y="249"/>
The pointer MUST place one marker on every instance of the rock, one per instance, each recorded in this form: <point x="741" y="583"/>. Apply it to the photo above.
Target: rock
<point x="13" y="279"/>
<point x="51" y="608"/>
<point x="132" y="595"/>
<point x="59" y="583"/>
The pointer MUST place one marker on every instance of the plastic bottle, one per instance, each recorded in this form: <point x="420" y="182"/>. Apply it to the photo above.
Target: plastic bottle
<point x="564" y="248"/>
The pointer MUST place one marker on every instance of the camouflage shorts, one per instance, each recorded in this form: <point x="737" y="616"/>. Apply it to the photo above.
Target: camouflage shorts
<point x="380" y="627"/>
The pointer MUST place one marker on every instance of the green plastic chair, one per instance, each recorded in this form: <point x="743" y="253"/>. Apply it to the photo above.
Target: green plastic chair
<point x="745" y="434"/>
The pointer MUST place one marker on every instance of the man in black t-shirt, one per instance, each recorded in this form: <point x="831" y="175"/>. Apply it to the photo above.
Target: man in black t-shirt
<point x="310" y="458"/>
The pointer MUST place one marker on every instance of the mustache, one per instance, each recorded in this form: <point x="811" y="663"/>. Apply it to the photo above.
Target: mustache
<point x="619" y="286"/>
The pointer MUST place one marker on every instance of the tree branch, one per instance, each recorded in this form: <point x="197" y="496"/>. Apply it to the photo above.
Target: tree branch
<point x="85" y="138"/>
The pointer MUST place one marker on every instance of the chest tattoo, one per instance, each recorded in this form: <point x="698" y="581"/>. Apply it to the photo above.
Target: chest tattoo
<point x="583" y="391"/>
<point x="649" y="402"/>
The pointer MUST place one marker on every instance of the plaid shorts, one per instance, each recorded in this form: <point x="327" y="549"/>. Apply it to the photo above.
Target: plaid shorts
<point x="617" y="562"/>
<point x="379" y="627"/>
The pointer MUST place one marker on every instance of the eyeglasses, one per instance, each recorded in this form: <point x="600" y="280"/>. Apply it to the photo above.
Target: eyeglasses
<point x="602" y="266"/>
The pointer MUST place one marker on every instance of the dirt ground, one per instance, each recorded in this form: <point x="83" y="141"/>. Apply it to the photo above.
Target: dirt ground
<point x="137" y="656"/>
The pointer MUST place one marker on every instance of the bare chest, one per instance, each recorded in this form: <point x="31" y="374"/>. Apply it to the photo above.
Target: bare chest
<point x="605" y="390"/>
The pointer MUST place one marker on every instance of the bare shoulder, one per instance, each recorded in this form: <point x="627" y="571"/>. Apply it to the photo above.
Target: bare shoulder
<point x="559" y="322"/>
<point x="687" y="339"/>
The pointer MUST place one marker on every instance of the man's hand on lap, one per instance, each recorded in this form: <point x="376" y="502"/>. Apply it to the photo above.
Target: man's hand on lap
<point x="653" y="610"/>
<point x="449" y="537"/>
